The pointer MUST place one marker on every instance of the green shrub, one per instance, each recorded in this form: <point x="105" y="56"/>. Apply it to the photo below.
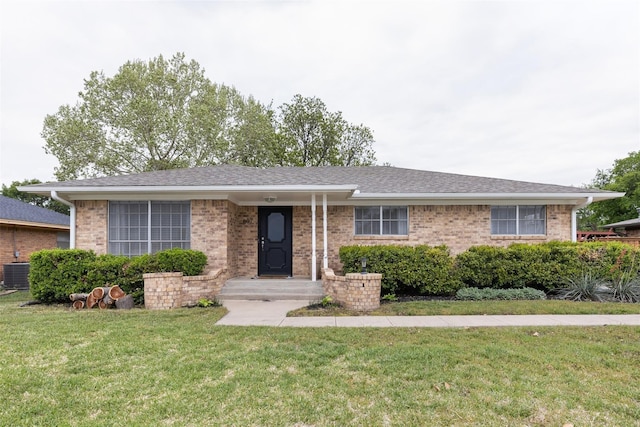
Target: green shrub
<point x="483" y="267"/>
<point x="477" y="294"/>
<point x="545" y="266"/>
<point x="421" y="270"/>
<point x="106" y="270"/>
<point x="54" y="274"/>
<point x="189" y="262"/>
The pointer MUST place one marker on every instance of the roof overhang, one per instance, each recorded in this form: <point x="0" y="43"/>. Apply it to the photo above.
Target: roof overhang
<point x="245" y="195"/>
<point x="486" y="198"/>
<point x="31" y="224"/>
<point x="240" y="195"/>
<point x="630" y="223"/>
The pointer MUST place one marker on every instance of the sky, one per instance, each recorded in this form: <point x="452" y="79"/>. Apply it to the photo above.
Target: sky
<point x="540" y="91"/>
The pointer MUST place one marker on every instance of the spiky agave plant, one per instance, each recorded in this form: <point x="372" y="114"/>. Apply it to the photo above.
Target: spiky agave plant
<point x="626" y="288"/>
<point x="585" y="287"/>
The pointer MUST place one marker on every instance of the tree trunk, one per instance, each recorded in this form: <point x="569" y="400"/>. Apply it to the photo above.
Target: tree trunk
<point x="78" y="304"/>
<point x="125" y="303"/>
<point x="107" y="299"/>
<point x="91" y="301"/>
<point x="102" y="305"/>
<point x="78" y="297"/>
<point x="99" y="293"/>
<point x="116" y="293"/>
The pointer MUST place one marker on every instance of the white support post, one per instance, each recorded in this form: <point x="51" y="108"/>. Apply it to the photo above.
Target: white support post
<point x="325" y="255"/>
<point x="313" y="237"/>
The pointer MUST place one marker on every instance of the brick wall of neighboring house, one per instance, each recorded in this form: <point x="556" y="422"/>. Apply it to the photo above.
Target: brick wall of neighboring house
<point x="24" y="240"/>
<point x="92" y="225"/>
<point x="633" y="232"/>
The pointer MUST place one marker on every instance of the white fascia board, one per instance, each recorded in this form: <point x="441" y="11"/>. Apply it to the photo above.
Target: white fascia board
<point x="34" y="224"/>
<point x="186" y="192"/>
<point x="569" y="198"/>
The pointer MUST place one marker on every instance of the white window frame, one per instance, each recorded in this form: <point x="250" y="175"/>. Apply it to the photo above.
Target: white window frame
<point x="184" y="229"/>
<point x="518" y="220"/>
<point x="381" y="220"/>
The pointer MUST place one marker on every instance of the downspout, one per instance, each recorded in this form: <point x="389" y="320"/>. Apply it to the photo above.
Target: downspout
<point x="72" y="219"/>
<point x="574" y="221"/>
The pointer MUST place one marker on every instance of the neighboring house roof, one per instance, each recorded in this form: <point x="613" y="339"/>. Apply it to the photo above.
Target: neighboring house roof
<point x="630" y="223"/>
<point x="16" y="212"/>
<point x="249" y="184"/>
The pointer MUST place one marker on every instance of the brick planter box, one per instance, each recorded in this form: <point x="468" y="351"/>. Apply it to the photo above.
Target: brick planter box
<point x="172" y="290"/>
<point x="355" y="291"/>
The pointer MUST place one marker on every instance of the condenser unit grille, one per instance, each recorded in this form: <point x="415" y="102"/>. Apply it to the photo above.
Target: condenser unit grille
<point x="16" y="275"/>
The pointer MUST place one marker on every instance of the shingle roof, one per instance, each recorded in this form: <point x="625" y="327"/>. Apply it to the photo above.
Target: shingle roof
<point x="369" y="179"/>
<point x="12" y="209"/>
<point x="630" y="223"/>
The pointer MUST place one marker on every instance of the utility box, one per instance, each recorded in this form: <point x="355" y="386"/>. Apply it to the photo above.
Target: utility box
<point x="16" y="275"/>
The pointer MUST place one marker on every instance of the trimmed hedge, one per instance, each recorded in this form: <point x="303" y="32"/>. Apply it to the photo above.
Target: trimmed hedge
<point x="413" y="270"/>
<point x="545" y="266"/>
<point x="477" y="294"/>
<point x="425" y="270"/>
<point x="56" y="273"/>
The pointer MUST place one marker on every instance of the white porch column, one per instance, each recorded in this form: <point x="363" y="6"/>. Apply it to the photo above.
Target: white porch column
<point x="325" y="255"/>
<point x="313" y="237"/>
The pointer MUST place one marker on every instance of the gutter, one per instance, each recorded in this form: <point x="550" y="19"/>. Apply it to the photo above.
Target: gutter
<point x="574" y="221"/>
<point x="72" y="219"/>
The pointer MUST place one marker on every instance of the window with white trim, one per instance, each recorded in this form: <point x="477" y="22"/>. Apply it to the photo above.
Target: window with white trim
<point x="141" y="227"/>
<point x="519" y="220"/>
<point x="381" y="220"/>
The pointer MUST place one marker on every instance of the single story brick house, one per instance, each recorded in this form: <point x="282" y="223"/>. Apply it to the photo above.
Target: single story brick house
<point x="26" y="228"/>
<point x="291" y="221"/>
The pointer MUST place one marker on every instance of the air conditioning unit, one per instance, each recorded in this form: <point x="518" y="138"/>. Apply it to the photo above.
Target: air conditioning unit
<point x="16" y="275"/>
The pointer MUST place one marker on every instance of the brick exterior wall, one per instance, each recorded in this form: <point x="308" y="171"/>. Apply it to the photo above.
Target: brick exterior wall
<point x="209" y="230"/>
<point x="227" y="233"/>
<point x="243" y="247"/>
<point x="458" y="227"/>
<point x="24" y="240"/>
<point x="92" y="225"/>
<point x="302" y="240"/>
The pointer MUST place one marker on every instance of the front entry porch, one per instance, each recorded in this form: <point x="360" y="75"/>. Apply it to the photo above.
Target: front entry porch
<point x="263" y="289"/>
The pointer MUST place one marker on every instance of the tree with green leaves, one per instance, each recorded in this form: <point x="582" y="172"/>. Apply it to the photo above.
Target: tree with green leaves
<point x="154" y="115"/>
<point x="165" y="114"/>
<point x="33" y="199"/>
<point x="314" y="136"/>
<point x="623" y="177"/>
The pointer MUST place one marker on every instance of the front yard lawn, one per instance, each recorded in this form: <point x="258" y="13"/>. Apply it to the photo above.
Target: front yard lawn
<point x="175" y="367"/>
<point x="452" y="307"/>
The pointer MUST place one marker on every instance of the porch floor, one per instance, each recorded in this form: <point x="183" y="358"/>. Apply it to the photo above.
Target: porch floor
<point x="267" y="289"/>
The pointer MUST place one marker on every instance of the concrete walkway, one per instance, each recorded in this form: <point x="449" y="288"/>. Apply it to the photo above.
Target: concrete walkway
<point x="273" y="313"/>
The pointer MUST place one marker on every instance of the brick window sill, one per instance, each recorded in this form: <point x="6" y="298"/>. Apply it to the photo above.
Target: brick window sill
<point x="513" y="237"/>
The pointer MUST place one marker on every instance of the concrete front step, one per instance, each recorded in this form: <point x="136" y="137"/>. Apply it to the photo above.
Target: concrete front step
<point x="271" y="290"/>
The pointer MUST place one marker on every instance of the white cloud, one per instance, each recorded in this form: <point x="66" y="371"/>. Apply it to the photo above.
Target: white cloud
<point x="531" y="90"/>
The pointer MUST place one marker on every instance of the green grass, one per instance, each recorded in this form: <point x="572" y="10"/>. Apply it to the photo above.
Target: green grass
<point x="447" y="308"/>
<point x="154" y="368"/>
